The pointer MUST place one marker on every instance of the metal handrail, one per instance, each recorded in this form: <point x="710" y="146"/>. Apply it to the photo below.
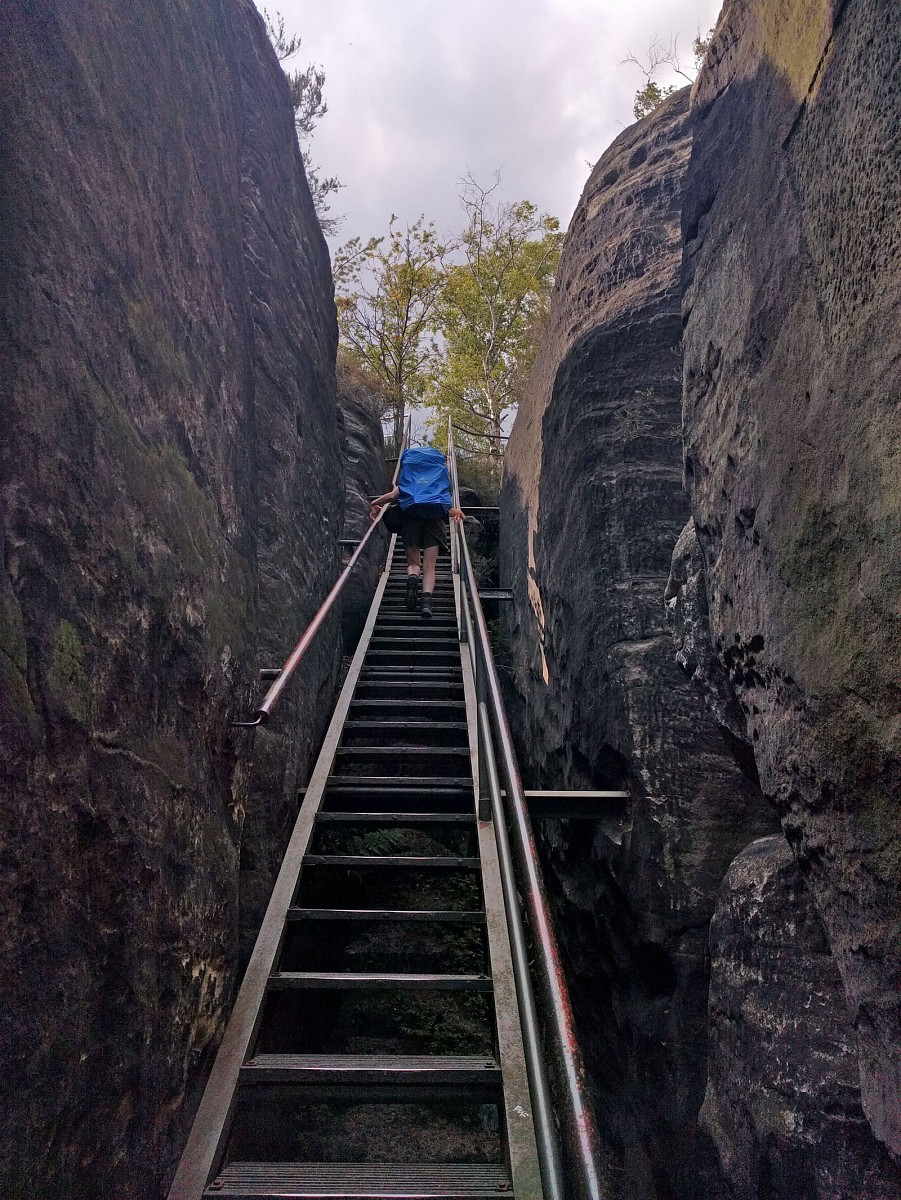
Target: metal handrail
<point x="273" y="696"/>
<point x="578" y="1119"/>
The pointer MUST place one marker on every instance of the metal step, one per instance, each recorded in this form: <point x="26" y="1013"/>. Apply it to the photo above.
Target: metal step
<point x="409" y="671"/>
<point x="397" y="783"/>
<point x="391" y="799"/>
<point x="397" y="734"/>
<point x="387" y="762"/>
<point x="412" y="658"/>
<point x="361" y="1181"/>
<point x="391" y="688"/>
<point x="376" y="981"/>
<point x="405" y="619"/>
<point x="421" y="862"/>
<point x="446" y="644"/>
<point x="454" y="754"/>
<point x="394" y="818"/>
<point x="364" y="708"/>
<point x="440" y="915"/>
<point x="417" y="1070"/>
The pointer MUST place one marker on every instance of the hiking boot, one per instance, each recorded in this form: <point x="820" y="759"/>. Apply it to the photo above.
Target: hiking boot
<point x="412" y="597"/>
<point x="426" y="607"/>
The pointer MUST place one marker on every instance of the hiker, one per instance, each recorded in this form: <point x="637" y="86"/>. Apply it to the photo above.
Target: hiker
<point x="423" y="493"/>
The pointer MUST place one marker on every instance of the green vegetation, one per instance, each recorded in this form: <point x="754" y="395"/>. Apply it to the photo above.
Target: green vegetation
<point x="491" y="309"/>
<point x="67" y="677"/>
<point x="386" y="291"/>
<point x="309" y="106"/>
<point x="663" y="57"/>
<point x="152" y="340"/>
<point x="452" y="323"/>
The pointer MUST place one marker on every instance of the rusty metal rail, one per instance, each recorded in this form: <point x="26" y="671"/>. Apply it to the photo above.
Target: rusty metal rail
<point x="272" y="697"/>
<point x="577" y="1118"/>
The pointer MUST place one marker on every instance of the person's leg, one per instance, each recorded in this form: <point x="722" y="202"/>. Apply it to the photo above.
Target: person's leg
<point x="412" y="543"/>
<point x="429" y="563"/>
<point x="429" y="560"/>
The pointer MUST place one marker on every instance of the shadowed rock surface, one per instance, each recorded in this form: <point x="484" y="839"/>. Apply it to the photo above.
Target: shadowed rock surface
<point x="783" y="1101"/>
<point x="592" y="506"/>
<point x="171" y="497"/>
<point x="792" y="383"/>
<point x="366" y="476"/>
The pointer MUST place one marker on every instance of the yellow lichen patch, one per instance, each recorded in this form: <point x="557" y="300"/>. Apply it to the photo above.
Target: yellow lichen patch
<point x="788" y="36"/>
<point x="535" y="601"/>
<point x="792" y="36"/>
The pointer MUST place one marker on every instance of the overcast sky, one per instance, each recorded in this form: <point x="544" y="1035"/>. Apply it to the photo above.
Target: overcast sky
<point x="420" y="91"/>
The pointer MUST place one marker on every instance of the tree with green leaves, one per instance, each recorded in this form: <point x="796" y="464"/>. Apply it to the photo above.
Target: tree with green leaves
<point x="308" y="101"/>
<point x="489" y="313"/>
<point x="662" y="56"/>
<point x="386" y="291"/>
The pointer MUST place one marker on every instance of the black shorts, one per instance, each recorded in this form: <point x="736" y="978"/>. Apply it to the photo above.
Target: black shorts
<point x="422" y="528"/>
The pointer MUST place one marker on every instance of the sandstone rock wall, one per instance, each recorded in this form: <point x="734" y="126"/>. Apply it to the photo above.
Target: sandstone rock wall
<point x="171" y="497"/>
<point x="792" y="383"/>
<point x="783" y="1097"/>
<point x="366" y="475"/>
<point x="591" y="508"/>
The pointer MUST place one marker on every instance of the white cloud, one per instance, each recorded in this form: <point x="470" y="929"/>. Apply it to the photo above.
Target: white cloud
<point x="420" y="91"/>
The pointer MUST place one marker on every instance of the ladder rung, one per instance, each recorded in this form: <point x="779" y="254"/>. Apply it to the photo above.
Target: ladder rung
<point x="403" y="751"/>
<point x="382" y="783"/>
<point x="377" y="981"/>
<point x="361" y="1181"/>
<point x="364" y="723"/>
<point x="416" y="915"/>
<point x="394" y="818"/>
<point x="422" y="862"/>
<point x="370" y="1068"/>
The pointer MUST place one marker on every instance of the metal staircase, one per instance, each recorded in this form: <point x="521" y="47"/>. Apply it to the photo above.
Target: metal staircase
<point x="384" y="1041"/>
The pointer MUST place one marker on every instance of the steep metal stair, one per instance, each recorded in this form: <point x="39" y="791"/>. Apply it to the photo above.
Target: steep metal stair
<point x="378" y="1039"/>
<point x="384" y="1042"/>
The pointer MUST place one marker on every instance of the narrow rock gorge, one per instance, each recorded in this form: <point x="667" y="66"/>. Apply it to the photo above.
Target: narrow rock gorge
<point x="733" y="944"/>
<point x="700" y="522"/>
<point x="172" y="492"/>
<point x="592" y="505"/>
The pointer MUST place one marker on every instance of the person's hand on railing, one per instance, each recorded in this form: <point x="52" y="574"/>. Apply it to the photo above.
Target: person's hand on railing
<point x="457" y="514"/>
<point x="379" y="502"/>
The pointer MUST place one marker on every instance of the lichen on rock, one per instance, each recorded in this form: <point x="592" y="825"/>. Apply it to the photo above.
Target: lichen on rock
<point x="592" y="505"/>
<point x="791" y="418"/>
<point x="172" y="497"/>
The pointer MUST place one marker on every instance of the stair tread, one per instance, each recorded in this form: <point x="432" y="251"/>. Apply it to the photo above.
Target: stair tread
<point x="443" y="915"/>
<point x="395" y="751"/>
<point x="391" y="980"/>
<point x="372" y="723"/>
<point x="360" y="1181"/>
<point x="429" y="861"/>
<point x="396" y="817"/>
<point x="383" y="1063"/>
<point x="395" y="705"/>
<point x="456" y="783"/>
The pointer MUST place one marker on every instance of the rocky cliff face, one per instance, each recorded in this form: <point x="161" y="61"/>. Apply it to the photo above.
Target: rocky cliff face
<point x="783" y="1097"/>
<point x="792" y="373"/>
<point x="366" y="476"/>
<point x="170" y="465"/>
<point x="592" y="506"/>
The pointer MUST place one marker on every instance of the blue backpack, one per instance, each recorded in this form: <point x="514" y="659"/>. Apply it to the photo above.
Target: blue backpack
<point x="423" y="480"/>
